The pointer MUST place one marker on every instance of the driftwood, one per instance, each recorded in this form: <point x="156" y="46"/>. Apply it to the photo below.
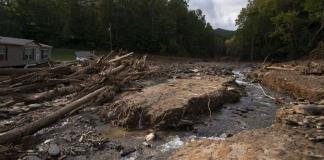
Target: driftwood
<point x="280" y="68"/>
<point x="29" y="129"/>
<point x="94" y="82"/>
<point x="10" y="71"/>
<point x="265" y="94"/>
<point x="35" y="86"/>
<point x="121" y="57"/>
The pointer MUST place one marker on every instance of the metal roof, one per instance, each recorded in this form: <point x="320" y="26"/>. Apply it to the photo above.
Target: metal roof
<point x="14" y="41"/>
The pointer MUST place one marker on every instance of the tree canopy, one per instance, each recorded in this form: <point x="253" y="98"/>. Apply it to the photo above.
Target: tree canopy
<point x="154" y="26"/>
<point x="280" y="29"/>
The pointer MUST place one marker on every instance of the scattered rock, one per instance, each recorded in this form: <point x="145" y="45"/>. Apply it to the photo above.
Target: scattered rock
<point x="54" y="150"/>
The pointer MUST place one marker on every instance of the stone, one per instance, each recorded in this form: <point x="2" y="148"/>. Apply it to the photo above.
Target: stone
<point x="31" y="158"/>
<point x="127" y="151"/>
<point x="321" y="102"/>
<point x="54" y="150"/>
<point x="147" y="144"/>
<point x="150" y="137"/>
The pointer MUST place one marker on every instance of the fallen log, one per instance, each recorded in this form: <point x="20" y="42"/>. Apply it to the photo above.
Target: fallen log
<point x="11" y="71"/>
<point x="113" y="71"/>
<point x="48" y="95"/>
<point x="29" y="129"/>
<point x="121" y="57"/>
<point x="35" y="86"/>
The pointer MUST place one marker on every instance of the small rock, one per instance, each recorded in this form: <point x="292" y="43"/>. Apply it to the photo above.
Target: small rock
<point x="54" y="150"/>
<point x="67" y="138"/>
<point x="147" y="144"/>
<point x="224" y="135"/>
<point x="150" y="137"/>
<point x="321" y="102"/>
<point x="127" y="151"/>
<point x="31" y="158"/>
<point x="319" y="138"/>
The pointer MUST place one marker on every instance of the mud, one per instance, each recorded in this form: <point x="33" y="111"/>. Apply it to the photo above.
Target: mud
<point x="303" y="79"/>
<point x="298" y="132"/>
<point x="174" y="104"/>
<point x="308" y="87"/>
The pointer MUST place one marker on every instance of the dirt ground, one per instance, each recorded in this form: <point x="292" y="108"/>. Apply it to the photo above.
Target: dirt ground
<point x="163" y="116"/>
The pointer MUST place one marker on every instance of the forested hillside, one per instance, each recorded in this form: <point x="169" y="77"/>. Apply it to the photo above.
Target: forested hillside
<point x="154" y="26"/>
<point x="281" y="29"/>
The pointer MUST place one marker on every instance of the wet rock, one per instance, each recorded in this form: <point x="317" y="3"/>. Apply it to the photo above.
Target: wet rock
<point x="54" y="150"/>
<point x="127" y="151"/>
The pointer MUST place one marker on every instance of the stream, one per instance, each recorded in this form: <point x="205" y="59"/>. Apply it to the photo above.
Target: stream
<point x="253" y="111"/>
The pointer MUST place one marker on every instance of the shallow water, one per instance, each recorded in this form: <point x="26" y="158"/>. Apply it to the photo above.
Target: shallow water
<point x="253" y="111"/>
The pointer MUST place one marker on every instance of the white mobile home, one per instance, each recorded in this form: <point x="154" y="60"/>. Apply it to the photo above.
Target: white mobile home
<point x="20" y="52"/>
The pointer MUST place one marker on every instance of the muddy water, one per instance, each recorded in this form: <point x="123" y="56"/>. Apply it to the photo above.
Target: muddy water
<point x="254" y="110"/>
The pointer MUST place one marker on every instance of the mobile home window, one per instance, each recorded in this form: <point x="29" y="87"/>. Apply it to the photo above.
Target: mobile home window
<point x="45" y="53"/>
<point x="29" y="54"/>
<point x="3" y="53"/>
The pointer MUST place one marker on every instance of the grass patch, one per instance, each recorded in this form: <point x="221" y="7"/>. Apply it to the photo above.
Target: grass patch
<point x="63" y="55"/>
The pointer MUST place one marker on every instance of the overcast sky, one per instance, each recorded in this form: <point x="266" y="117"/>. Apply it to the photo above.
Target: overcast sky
<point x="220" y="13"/>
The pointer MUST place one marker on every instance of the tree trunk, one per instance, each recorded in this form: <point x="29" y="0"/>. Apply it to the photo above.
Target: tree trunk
<point x="29" y="129"/>
<point x="252" y="49"/>
<point x="48" y="95"/>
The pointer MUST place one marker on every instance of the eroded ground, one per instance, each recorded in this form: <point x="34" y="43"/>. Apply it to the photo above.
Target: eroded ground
<point x="298" y="131"/>
<point x="189" y="109"/>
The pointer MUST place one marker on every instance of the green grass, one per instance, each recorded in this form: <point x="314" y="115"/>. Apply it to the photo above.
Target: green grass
<point x="63" y="55"/>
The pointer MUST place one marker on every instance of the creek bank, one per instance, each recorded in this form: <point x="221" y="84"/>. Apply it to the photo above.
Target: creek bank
<point x="283" y="140"/>
<point x="300" y="79"/>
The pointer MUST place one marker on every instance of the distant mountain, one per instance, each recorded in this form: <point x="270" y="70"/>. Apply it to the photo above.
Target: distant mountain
<point x="224" y="33"/>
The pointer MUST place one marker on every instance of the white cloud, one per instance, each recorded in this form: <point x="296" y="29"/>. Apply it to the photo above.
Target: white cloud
<point x="220" y="13"/>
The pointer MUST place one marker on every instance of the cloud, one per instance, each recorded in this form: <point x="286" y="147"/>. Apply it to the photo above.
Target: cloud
<point x="220" y="13"/>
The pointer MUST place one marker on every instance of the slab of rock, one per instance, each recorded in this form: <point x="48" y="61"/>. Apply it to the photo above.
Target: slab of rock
<point x="166" y="105"/>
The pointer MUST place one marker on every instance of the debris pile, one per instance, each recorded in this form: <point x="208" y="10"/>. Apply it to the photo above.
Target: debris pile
<point x="93" y="82"/>
<point x="174" y="104"/>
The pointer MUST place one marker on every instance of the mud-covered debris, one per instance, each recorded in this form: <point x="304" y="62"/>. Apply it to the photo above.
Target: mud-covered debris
<point x="163" y="106"/>
<point x="107" y="76"/>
